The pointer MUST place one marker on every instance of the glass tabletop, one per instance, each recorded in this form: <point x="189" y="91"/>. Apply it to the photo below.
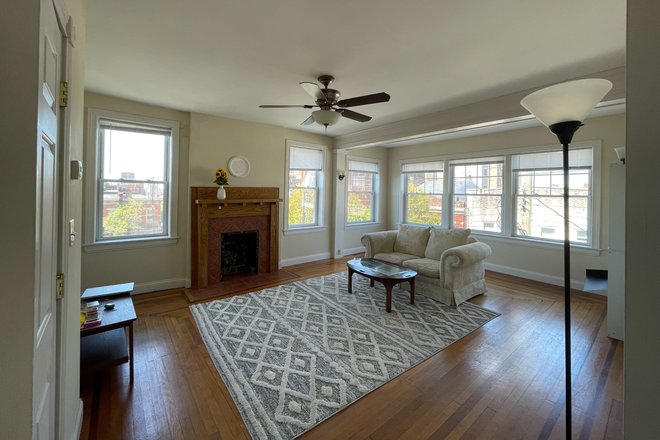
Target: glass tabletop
<point x="378" y="266"/>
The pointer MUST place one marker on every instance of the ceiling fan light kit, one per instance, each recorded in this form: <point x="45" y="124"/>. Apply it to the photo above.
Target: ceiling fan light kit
<point x="331" y="108"/>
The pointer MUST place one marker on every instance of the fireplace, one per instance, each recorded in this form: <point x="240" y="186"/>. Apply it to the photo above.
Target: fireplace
<point x="239" y="253"/>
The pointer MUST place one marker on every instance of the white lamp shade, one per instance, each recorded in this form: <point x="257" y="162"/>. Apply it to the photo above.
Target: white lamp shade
<point x="569" y="101"/>
<point x="326" y="117"/>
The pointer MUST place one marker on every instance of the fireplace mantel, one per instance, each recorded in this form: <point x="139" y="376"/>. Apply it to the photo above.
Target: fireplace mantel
<point x="240" y="202"/>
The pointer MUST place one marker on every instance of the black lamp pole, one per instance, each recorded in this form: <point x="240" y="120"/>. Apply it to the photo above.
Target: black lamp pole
<point x="564" y="132"/>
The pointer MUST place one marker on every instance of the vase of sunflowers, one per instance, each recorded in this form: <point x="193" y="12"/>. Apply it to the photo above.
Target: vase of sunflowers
<point x="221" y="179"/>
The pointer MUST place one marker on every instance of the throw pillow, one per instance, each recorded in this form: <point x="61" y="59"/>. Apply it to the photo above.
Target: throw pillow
<point x="442" y="239"/>
<point x="412" y="240"/>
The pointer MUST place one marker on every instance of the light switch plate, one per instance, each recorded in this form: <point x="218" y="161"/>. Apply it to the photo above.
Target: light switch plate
<point x="72" y="232"/>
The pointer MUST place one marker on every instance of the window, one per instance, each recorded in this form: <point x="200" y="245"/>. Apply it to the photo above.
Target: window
<point x="515" y="194"/>
<point x="539" y="190"/>
<point x="362" y="189"/>
<point x="132" y="163"/>
<point x="304" y="196"/>
<point x="423" y="188"/>
<point x="477" y="193"/>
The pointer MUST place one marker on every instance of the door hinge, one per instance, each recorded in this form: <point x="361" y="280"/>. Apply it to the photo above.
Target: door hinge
<point x="60" y="286"/>
<point x="64" y="94"/>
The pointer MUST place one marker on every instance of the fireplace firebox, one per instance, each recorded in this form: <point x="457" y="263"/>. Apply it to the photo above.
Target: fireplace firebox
<point x="239" y="253"/>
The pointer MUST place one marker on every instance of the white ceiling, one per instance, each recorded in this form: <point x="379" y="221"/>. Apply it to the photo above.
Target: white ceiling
<point x="227" y="57"/>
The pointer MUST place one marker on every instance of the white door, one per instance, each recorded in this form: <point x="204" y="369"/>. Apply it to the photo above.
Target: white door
<point x="43" y="409"/>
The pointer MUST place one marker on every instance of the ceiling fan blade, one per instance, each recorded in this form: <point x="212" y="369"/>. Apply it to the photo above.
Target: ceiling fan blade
<point x="364" y="100"/>
<point x="287" y="106"/>
<point x="355" y="116"/>
<point x="308" y="121"/>
<point x="314" y="91"/>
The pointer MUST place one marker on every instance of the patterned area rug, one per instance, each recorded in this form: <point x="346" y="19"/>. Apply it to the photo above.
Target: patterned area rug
<point x="294" y="355"/>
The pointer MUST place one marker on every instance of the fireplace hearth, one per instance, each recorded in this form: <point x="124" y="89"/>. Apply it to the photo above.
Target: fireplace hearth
<point x="239" y="253"/>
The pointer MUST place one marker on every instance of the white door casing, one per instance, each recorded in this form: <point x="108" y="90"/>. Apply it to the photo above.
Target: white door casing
<point x="46" y="239"/>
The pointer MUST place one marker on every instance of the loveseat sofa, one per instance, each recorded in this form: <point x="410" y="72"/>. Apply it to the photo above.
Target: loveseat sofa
<point x="449" y="262"/>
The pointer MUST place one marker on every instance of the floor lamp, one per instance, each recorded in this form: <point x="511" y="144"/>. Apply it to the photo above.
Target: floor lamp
<point x="562" y="108"/>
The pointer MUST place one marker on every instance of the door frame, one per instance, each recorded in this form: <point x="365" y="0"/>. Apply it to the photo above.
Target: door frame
<point x="63" y="327"/>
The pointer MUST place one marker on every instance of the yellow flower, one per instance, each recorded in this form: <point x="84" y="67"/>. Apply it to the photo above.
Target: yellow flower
<point x="218" y="172"/>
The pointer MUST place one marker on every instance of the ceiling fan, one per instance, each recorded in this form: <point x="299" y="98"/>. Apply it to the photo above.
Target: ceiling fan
<point x="331" y="108"/>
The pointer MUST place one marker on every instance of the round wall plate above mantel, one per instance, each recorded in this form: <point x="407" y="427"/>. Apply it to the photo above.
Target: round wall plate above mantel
<point x="238" y="166"/>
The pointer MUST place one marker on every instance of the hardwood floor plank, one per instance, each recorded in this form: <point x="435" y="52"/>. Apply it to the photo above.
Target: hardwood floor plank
<point x="503" y="381"/>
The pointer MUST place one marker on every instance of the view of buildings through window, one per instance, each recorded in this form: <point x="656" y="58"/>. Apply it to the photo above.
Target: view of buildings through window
<point x="477" y="194"/>
<point x="132" y="180"/>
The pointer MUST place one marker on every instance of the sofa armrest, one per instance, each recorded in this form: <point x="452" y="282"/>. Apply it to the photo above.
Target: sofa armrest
<point x="465" y="255"/>
<point x="377" y="242"/>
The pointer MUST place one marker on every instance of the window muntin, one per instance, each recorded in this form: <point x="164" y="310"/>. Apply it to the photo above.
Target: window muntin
<point x="539" y="204"/>
<point x="133" y="180"/>
<point x="305" y="175"/>
<point x="476" y="193"/>
<point x="361" y="198"/>
<point x="423" y="190"/>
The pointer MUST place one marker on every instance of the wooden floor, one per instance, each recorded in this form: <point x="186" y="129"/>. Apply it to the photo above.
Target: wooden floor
<point x="503" y="381"/>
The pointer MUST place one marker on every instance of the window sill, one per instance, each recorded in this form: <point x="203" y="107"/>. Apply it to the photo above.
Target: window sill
<point x="539" y="244"/>
<point x="305" y="230"/>
<point x="364" y="225"/>
<point x="138" y="243"/>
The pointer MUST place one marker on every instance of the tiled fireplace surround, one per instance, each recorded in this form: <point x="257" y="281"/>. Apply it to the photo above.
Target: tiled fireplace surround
<point x="219" y="226"/>
<point x="244" y="209"/>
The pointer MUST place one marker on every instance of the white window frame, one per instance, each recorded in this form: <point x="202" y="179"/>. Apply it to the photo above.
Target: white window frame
<point x="404" y="189"/>
<point x="375" y="198"/>
<point x="320" y="225"/>
<point x="452" y="206"/>
<point x="508" y="214"/>
<point x="93" y="174"/>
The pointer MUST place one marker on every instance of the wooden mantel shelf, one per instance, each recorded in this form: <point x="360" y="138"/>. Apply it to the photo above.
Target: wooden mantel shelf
<point x="236" y="201"/>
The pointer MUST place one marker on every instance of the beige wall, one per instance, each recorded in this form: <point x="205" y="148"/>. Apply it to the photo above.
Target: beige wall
<point x="609" y="129"/>
<point x="164" y="265"/>
<point x="642" y="346"/>
<point x="214" y="140"/>
<point x="352" y="236"/>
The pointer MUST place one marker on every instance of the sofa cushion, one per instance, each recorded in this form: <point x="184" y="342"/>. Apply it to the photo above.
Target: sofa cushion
<point x="412" y="240"/>
<point x="424" y="266"/>
<point x="442" y="239"/>
<point x="394" y="257"/>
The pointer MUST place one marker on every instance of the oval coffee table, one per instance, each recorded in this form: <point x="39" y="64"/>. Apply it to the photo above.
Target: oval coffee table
<point x="388" y="274"/>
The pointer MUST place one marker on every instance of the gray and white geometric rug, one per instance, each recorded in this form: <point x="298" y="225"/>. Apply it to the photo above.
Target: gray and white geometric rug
<point x="294" y="355"/>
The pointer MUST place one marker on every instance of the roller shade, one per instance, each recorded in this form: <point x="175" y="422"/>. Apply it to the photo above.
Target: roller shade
<point x="423" y="167"/>
<point x="367" y="167"/>
<point x="549" y="160"/>
<point x="305" y="159"/>
<point x="110" y="124"/>
<point x="477" y="160"/>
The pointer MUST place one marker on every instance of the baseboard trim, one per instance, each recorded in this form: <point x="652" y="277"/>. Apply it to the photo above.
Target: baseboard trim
<point x="535" y="276"/>
<point x="355" y="250"/>
<point x="305" y="259"/>
<point x="155" y="286"/>
<point x="79" y="420"/>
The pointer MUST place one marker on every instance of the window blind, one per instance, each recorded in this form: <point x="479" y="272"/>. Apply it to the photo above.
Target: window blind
<point x="548" y="160"/>
<point x="368" y="167"/>
<point x="423" y="167"/>
<point x="305" y="159"/>
<point x="110" y="124"/>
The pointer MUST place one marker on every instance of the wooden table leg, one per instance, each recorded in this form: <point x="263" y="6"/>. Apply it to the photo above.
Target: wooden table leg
<point x="350" y="280"/>
<point x="412" y="290"/>
<point x="371" y="282"/>
<point x="388" y="304"/>
<point x="130" y="347"/>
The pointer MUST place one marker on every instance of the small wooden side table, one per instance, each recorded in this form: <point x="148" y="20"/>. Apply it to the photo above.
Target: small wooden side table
<point x="105" y="345"/>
